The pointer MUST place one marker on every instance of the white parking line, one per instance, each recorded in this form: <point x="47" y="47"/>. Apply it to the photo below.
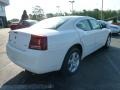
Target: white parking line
<point x="113" y="65"/>
<point x="27" y="87"/>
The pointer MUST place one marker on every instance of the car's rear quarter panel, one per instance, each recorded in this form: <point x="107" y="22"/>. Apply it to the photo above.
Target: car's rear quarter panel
<point x="59" y="44"/>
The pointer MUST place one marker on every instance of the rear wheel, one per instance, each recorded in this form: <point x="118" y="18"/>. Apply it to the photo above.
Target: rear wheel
<point x="107" y="45"/>
<point x="71" y="62"/>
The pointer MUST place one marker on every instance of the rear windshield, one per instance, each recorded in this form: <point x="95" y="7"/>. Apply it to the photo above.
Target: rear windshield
<point x="51" y="23"/>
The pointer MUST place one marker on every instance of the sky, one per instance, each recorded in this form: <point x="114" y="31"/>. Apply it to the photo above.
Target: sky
<point x="16" y="7"/>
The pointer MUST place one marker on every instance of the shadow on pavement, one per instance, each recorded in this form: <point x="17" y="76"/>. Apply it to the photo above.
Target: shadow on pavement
<point x="96" y="72"/>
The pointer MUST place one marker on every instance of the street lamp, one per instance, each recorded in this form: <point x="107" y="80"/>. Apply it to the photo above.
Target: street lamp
<point x="72" y="2"/>
<point x="58" y="7"/>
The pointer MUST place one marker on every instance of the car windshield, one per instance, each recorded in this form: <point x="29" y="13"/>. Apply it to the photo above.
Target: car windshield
<point x="51" y="23"/>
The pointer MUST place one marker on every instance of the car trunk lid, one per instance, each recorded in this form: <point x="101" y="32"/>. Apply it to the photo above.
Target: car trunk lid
<point x="19" y="40"/>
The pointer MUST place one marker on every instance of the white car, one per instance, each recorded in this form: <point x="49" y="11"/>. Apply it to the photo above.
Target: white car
<point x="58" y="43"/>
<point x="112" y="27"/>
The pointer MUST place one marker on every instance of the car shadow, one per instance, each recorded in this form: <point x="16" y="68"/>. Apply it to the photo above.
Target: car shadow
<point x="95" y="70"/>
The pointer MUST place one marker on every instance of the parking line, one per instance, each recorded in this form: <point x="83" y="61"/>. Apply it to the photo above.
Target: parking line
<point x="114" y="66"/>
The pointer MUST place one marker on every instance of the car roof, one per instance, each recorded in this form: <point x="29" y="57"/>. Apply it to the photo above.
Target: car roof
<point x="76" y="17"/>
<point x="71" y="20"/>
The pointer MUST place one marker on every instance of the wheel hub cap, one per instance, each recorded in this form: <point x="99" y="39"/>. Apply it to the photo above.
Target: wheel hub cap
<point x="108" y="41"/>
<point x="73" y="62"/>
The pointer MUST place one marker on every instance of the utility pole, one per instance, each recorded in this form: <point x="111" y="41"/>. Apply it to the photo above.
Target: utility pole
<point x="102" y="11"/>
<point x="72" y="2"/>
<point x="58" y="7"/>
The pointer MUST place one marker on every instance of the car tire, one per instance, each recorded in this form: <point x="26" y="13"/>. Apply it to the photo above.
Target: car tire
<point x="107" y="44"/>
<point x="71" y="62"/>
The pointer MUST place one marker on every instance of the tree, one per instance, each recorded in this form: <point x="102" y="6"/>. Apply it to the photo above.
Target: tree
<point x="49" y="15"/>
<point x="30" y="16"/>
<point x="38" y="13"/>
<point x="14" y="20"/>
<point x="97" y="13"/>
<point x="24" y="15"/>
<point x="115" y="20"/>
<point x="66" y="14"/>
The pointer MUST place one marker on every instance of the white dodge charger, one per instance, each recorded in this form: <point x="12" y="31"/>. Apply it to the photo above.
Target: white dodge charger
<point x="57" y="43"/>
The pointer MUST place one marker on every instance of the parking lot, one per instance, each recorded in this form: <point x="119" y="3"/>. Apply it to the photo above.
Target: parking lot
<point x="99" y="71"/>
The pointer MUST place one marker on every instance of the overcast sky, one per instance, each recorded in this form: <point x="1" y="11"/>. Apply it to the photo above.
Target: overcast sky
<point x="16" y="7"/>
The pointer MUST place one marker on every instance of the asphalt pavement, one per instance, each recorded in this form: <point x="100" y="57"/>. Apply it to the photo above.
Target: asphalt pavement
<point x="99" y="71"/>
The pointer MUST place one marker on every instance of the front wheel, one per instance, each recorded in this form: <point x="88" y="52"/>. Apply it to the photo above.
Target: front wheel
<point x="107" y="45"/>
<point x="71" y="62"/>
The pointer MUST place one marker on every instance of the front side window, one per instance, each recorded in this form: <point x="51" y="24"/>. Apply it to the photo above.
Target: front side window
<point x="94" y="24"/>
<point x="84" y="24"/>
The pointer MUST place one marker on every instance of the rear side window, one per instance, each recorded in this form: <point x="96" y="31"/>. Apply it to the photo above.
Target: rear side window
<point x="84" y="24"/>
<point x="94" y="24"/>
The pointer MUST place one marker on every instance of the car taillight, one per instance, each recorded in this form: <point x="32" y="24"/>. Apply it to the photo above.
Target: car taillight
<point x="38" y="42"/>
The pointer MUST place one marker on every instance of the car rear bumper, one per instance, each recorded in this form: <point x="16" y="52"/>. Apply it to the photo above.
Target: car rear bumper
<point x="32" y="61"/>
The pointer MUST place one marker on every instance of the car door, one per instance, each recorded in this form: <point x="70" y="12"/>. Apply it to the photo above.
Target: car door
<point x="100" y="34"/>
<point x="87" y="35"/>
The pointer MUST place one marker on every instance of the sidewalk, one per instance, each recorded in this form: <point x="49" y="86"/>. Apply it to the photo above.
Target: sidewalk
<point x="3" y="40"/>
